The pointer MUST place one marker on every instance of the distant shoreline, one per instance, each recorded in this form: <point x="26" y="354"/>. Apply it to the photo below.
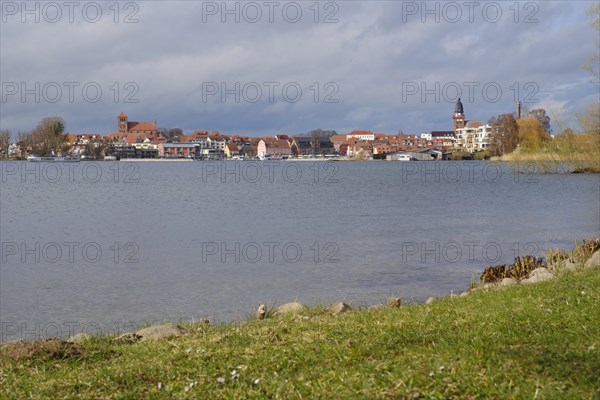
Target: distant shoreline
<point x="545" y="166"/>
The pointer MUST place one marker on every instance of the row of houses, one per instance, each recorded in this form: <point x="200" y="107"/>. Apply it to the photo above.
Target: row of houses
<point x="145" y="140"/>
<point x="469" y="139"/>
<point x="468" y="136"/>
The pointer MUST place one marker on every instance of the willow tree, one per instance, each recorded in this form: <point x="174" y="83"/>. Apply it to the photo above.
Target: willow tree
<point x="531" y="134"/>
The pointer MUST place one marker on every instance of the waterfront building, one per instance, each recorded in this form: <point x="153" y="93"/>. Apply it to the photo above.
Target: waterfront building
<point x="469" y="136"/>
<point x="232" y="150"/>
<point x="273" y="148"/>
<point x="475" y="136"/>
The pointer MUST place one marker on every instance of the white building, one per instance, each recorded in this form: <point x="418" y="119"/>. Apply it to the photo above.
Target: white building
<point x="14" y="150"/>
<point x="361" y="135"/>
<point x="218" y="143"/>
<point x="475" y="136"/>
<point x="437" y="135"/>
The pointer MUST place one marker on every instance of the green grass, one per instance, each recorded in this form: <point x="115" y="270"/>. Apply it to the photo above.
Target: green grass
<point x="525" y="341"/>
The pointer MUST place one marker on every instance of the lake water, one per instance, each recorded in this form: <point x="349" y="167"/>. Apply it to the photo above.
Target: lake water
<point x="108" y="246"/>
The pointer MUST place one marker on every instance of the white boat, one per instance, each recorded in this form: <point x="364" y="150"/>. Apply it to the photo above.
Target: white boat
<point x="53" y="159"/>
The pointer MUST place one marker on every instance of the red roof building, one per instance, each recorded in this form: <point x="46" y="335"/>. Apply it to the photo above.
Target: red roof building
<point x="125" y="126"/>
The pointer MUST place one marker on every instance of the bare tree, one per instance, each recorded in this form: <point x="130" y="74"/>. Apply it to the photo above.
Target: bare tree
<point x="593" y="63"/>
<point x="47" y="136"/>
<point x="95" y="150"/>
<point x="321" y="133"/>
<point x="542" y="117"/>
<point x="590" y="121"/>
<point x="4" y="141"/>
<point x="175" y="132"/>
<point x="505" y="134"/>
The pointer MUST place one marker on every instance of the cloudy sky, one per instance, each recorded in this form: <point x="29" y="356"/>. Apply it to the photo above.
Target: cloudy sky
<point x="262" y="68"/>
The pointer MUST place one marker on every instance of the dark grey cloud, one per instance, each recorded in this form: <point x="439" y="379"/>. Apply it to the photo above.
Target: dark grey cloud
<point x="370" y="55"/>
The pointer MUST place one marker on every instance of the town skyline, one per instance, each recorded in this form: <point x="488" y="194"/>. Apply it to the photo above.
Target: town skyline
<point x="144" y="139"/>
<point x="158" y="127"/>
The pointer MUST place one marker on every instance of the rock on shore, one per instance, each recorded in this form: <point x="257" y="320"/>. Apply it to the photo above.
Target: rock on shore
<point x="339" y="308"/>
<point x="79" y="338"/>
<point x="159" y="332"/>
<point x="508" y="282"/>
<point x="594" y="261"/>
<point x="261" y="313"/>
<point x="394" y="302"/>
<point x="290" y="308"/>
<point x="571" y="265"/>
<point x="538" y="275"/>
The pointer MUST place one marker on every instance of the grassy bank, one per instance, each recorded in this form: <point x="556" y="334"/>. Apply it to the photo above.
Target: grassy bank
<point x="579" y="153"/>
<point x="550" y="162"/>
<point x="524" y="341"/>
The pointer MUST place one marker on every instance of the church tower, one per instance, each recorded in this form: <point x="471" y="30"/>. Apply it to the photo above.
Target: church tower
<point x="459" y="116"/>
<point x="122" y="123"/>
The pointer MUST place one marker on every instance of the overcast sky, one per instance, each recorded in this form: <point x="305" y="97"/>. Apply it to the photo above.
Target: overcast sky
<point x="359" y="64"/>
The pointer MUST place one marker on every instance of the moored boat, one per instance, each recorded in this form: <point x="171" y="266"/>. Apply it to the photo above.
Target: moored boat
<point x="53" y="159"/>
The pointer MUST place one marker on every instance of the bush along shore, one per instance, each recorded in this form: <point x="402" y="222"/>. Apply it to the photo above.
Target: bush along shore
<point x="529" y="330"/>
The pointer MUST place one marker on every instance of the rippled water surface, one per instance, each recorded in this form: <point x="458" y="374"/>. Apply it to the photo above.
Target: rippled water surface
<point x="125" y="243"/>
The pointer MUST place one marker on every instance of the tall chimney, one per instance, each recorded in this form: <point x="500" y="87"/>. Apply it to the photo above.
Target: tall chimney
<point x="518" y="109"/>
